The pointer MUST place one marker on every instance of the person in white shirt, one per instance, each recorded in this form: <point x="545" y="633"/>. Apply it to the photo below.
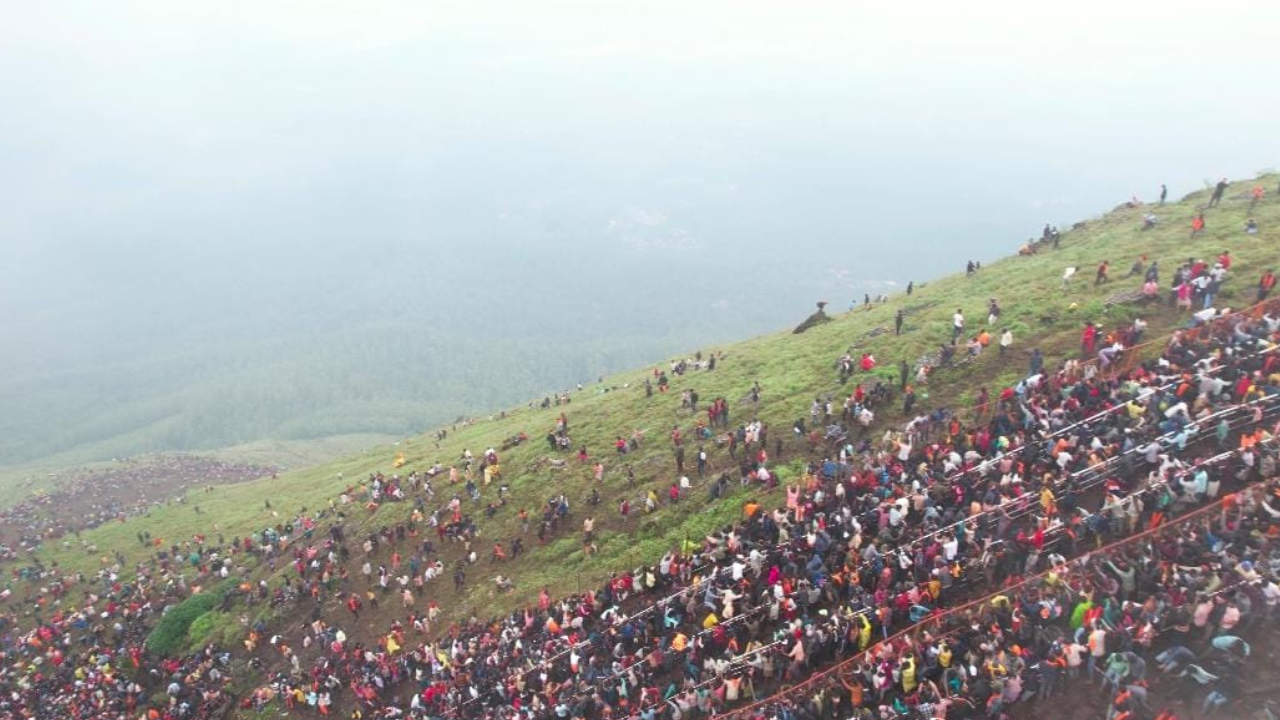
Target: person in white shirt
<point x="950" y="548"/>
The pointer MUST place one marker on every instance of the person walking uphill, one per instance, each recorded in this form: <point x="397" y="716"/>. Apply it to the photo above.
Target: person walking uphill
<point x="897" y="322"/>
<point x="957" y="325"/>
<point x="1218" y="191"/>
<point x="1266" y="284"/>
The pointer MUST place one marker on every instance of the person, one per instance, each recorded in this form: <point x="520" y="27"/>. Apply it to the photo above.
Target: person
<point x="1136" y="330"/>
<point x="993" y="311"/>
<point x="1150" y="290"/>
<point x="1256" y="197"/>
<point x="1088" y="338"/>
<point x="1139" y="266"/>
<point x="1182" y="293"/>
<point x="1101" y="276"/>
<point x="957" y="325"/>
<point x="1266" y="284"/>
<point x="1164" y="193"/>
<point x="897" y="322"/>
<point x="1006" y="340"/>
<point x="1037" y="362"/>
<point x="1149" y="221"/>
<point x="910" y="287"/>
<point x="902" y="374"/>
<point x="1197" y="225"/>
<point x="1066" y="277"/>
<point x="1107" y="356"/>
<point x="1211" y="289"/>
<point x="1218" y="191"/>
<point x="1251" y="226"/>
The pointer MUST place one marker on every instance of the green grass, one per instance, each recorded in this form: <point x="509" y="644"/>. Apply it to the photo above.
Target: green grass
<point x="792" y="369"/>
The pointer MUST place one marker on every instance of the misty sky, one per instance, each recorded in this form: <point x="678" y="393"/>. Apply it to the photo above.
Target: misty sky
<point x="179" y="172"/>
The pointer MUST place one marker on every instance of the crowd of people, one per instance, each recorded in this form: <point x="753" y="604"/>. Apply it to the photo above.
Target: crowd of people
<point x="1095" y="524"/>
<point x="868" y="542"/>
<point x="115" y="493"/>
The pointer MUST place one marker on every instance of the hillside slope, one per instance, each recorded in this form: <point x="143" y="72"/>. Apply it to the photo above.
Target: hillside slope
<point x="789" y="370"/>
<point x="792" y="370"/>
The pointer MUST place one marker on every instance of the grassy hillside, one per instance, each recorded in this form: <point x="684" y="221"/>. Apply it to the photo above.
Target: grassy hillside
<point x="791" y="369"/>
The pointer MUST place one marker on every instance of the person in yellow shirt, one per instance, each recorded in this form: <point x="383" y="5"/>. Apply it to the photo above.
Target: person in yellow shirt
<point x="864" y="632"/>
<point x="909" y="674"/>
<point x="1047" y="500"/>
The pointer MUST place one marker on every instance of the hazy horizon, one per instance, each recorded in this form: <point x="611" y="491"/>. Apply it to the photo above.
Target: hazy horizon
<point x="412" y="210"/>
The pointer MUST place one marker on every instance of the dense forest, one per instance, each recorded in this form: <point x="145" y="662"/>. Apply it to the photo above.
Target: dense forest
<point x="393" y="356"/>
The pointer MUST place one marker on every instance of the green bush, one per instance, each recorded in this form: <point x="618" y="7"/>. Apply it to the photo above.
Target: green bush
<point x="171" y="635"/>
<point x="204" y="627"/>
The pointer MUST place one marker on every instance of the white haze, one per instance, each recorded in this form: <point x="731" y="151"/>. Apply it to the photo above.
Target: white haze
<point x="509" y="197"/>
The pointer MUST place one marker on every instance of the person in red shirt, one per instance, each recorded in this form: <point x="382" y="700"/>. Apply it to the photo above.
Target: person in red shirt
<point x="1266" y="284"/>
<point x="1088" y="339"/>
<point x="1225" y="259"/>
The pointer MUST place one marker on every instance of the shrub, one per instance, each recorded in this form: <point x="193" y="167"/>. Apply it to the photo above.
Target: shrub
<point x="170" y="635"/>
<point x="204" y="627"/>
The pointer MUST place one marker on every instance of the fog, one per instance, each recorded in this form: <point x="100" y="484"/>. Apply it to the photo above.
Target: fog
<point x="221" y="222"/>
